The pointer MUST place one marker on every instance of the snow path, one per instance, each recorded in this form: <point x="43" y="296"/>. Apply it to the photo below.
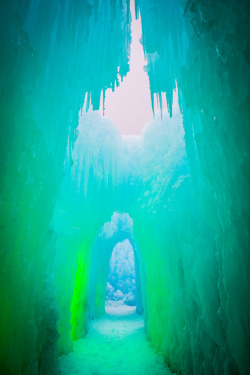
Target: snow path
<point x="116" y="344"/>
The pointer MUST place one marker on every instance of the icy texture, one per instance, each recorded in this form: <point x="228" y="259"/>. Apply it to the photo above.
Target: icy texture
<point x="106" y="173"/>
<point x="108" y="248"/>
<point x="164" y="41"/>
<point x="127" y="350"/>
<point x="121" y="277"/>
<point x="207" y="325"/>
<point x="44" y="75"/>
<point x="184" y="182"/>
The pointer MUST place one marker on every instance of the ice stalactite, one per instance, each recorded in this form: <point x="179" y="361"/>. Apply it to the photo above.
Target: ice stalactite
<point x="164" y="41"/>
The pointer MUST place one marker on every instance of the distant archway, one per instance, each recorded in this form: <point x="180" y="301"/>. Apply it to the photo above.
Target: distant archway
<point x="121" y="283"/>
<point x="113" y="233"/>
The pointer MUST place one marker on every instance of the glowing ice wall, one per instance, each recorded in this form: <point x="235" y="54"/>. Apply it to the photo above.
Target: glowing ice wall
<point x="204" y="231"/>
<point x="50" y="58"/>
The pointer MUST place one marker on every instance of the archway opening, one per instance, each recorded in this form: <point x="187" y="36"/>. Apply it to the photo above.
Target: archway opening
<point x="121" y="283"/>
<point x="116" y="268"/>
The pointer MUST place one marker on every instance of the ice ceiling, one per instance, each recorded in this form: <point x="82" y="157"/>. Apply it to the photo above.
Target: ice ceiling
<point x="184" y="182"/>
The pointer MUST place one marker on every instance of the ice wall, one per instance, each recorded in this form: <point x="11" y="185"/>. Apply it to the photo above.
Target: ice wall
<point x="206" y="239"/>
<point x="50" y="58"/>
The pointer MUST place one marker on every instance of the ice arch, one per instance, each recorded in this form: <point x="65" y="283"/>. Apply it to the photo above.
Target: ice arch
<point x="121" y="283"/>
<point x="117" y="230"/>
<point x="115" y="174"/>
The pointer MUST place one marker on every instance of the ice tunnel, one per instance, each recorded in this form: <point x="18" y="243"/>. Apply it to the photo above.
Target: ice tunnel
<point x="125" y="121"/>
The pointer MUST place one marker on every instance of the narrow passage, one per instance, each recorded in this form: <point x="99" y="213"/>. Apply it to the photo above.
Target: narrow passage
<point x="116" y="344"/>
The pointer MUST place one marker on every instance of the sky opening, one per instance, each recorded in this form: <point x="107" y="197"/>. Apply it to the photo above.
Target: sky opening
<point x="129" y="105"/>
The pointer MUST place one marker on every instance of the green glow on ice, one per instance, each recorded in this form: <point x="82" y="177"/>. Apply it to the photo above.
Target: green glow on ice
<point x="80" y="296"/>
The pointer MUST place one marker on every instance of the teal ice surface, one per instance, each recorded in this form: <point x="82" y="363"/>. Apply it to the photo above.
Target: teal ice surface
<point x="116" y="344"/>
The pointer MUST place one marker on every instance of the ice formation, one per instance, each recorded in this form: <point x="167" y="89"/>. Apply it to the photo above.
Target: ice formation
<point x="121" y="286"/>
<point x="184" y="183"/>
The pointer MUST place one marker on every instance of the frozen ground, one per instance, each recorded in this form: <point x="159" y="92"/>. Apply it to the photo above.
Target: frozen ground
<point x="116" y="344"/>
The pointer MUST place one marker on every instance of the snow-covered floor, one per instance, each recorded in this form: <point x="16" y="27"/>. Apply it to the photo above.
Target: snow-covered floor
<point x="116" y="344"/>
